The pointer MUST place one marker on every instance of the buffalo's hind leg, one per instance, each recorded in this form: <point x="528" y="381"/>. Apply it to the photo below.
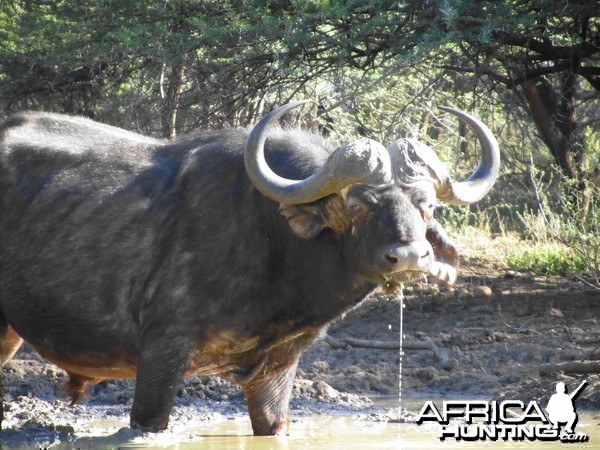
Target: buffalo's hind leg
<point x="10" y="342"/>
<point x="268" y="401"/>
<point x="77" y="387"/>
<point x="160" y="372"/>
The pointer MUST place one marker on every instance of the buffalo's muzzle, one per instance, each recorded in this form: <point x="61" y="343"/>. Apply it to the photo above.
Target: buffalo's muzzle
<point x="413" y="257"/>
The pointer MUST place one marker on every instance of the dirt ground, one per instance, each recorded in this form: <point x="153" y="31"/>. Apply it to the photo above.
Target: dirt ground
<point x="505" y="335"/>
<point x="500" y="334"/>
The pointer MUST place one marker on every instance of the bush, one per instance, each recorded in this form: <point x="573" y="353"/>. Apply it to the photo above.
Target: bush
<point x="567" y="229"/>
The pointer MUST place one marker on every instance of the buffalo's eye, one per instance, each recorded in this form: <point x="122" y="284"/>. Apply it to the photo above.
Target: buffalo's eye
<point x="357" y="209"/>
<point x="427" y="209"/>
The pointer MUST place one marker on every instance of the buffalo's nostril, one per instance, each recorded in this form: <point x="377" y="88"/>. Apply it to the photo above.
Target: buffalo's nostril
<point x="391" y="258"/>
<point x="425" y="254"/>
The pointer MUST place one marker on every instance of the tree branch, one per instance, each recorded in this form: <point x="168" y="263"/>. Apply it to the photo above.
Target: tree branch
<point x="546" y="48"/>
<point x="440" y="354"/>
<point x="571" y="367"/>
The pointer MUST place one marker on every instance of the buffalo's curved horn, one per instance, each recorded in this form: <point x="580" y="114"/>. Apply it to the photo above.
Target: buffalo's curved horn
<point x="415" y="162"/>
<point x="481" y="181"/>
<point x="362" y="161"/>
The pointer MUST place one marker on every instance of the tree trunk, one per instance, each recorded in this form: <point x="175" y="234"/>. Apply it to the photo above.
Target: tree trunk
<point x="171" y="94"/>
<point x="555" y="119"/>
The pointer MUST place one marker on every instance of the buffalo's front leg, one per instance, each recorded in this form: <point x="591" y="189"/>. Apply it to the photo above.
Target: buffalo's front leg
<point x="159" y="375"/>
<point x="268" y="399"/>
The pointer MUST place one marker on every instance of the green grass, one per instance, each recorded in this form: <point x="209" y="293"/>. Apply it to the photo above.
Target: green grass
<point x="551" y="259"/>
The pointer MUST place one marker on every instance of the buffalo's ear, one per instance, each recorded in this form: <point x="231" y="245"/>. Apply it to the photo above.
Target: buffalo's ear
<point x="305" y="221"/>
<point x="308" y="220"/>
<point x="445" y="265"/>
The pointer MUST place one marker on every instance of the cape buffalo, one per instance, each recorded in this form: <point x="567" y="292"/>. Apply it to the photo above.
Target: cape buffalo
<point x="224" y="254"/>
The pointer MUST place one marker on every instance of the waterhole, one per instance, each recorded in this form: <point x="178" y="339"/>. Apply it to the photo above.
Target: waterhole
<point x="320" y="432"/>
<point x="342" y="432"/>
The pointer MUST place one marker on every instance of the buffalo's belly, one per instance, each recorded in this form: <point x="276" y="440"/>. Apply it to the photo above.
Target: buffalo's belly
<point x="96" y="353"/>
<point x="97" y="366"/>
<point x="87" y="350"/>
<point x="84" y="335"/>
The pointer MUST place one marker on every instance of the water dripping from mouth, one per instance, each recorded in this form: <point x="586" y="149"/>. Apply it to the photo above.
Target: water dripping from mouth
<point x="401" y="350"/>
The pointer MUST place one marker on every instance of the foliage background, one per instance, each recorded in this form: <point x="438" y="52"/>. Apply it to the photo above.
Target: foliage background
<point x="529" y="68"/>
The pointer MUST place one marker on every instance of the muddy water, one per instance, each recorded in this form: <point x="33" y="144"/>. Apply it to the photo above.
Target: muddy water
<point x="342" y="432"/>
<point x="320" y="432"/>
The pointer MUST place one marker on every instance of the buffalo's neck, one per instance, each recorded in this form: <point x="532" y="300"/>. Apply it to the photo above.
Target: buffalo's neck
<point x="326" y="283"/>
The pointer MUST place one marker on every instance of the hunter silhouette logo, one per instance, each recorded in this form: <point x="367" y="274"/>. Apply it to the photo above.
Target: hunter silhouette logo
<point x="509" y="419"/>
<point x="561" y="408"/>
